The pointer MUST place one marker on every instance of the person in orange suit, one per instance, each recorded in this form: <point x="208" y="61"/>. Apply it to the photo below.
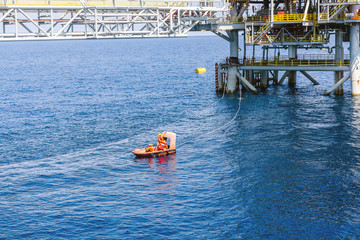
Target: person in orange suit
<point x="161" y="145"/>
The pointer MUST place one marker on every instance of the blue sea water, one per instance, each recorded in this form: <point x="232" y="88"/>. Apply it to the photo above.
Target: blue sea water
<point x="287" y="167"/>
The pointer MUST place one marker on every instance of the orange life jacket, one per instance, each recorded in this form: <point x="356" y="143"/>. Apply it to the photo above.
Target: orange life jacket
<point x="162" y="146"/>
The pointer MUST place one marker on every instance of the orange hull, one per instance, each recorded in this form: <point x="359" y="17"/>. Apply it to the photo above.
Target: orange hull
<point x="142" y="152"/>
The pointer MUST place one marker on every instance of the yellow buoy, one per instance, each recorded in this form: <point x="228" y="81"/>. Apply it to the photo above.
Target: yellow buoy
<point x="200" y="70"/>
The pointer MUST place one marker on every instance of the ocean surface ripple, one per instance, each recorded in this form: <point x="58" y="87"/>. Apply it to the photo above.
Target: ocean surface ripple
<point x="286" y="168"/>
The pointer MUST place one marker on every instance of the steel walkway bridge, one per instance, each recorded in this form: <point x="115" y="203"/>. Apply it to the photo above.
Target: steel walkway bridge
<point x="86" y="19"/>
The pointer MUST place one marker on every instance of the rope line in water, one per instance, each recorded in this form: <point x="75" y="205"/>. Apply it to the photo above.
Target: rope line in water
<point x="216" y="129"/>
<point x="120" y="141"/>
<point x="168" y="125"/>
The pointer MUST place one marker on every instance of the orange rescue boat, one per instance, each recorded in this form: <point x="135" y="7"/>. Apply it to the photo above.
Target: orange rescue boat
<point x="160" y="149"/>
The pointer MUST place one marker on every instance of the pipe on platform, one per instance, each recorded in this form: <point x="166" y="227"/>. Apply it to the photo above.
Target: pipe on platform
<point x="244" y="81"/>
<point x="310" y="77"/>
<point x="232" y="79"/>
<point x="276" y="76"/>
<point x="272" y="11"/>
<point x="292" y="52"/>
<point x="221" y="81"/>
<point x="339" y="55"/>
<point x="336" y="85"/>
<point x="263" y="80"/>
<point x="282" y="79"/>
<point x="354" y="56"/>
<point x="338" y="76"/>
<point x="234" y="56"/>
<point x="355" y="60"/>
<point x="234" y="45"/>
<point x="306" y="10"/>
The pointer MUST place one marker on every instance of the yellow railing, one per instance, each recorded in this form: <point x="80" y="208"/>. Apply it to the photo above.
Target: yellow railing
<point x="295" y="62"/>
<point x="312" y="57"/>
<point x="326" y="16"/>
<point x="294" y="17"/>
<point x="294" y="38"/>
<point x="256" y="19"/>
<point x="311" y="17"/>
<point x="337" y="7"/>
<point x="261" y="33"/>
<point x="283" y="18"/>
<point x="323" y="16"/>
<point x="262" y="29"/>
<point x="92" y="3"/>
<point x="287" y="38"/>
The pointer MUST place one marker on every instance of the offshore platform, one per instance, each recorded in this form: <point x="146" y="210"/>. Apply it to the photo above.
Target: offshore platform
<point x="271" y="25"/>
<point x="290" y="25"/>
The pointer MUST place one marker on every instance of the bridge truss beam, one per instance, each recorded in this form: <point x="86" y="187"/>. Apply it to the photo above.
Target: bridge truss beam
<point x="86" y="22"/>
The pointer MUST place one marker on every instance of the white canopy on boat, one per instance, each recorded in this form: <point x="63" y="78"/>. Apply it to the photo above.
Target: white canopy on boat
<point x="172" y="137"/>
